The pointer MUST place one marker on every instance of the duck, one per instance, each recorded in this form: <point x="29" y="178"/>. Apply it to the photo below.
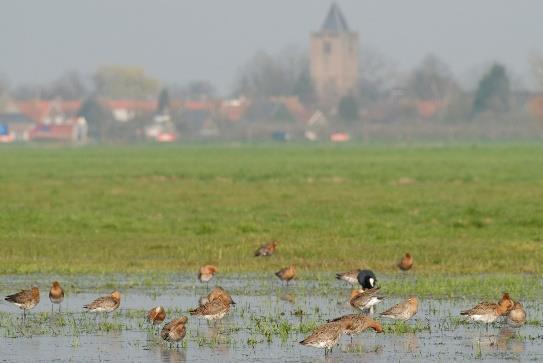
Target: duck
<point x="489" y="312"/>
<point x="365" y="299"/>
<point x="286" y="274"/>
<point x="406" y="262"/>
<point x="366" y="279"/>
<point x="268" y="249"/>
<point x="56" y="295"/>
<point x="25" y="299"/>
<point x="174" y="331"/>
<point x="517" y="315"/>
<point x="402" y="311"/>
<point x="349" y="276"/>
<point x="105" y="304"/>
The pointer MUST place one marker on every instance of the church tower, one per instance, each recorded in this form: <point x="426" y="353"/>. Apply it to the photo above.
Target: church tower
<point x="334" y="54"/>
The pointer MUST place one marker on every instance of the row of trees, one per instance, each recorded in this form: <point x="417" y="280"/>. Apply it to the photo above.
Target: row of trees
<point x="287" y="74"/>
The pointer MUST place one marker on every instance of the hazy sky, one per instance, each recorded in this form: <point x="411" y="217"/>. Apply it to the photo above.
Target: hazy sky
<point x="177" y="41"/>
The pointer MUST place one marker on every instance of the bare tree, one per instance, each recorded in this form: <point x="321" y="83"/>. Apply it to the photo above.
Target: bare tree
<point x="432" y="80"/>
<point x="378" y="75"/>
<point x="286" y="73"/>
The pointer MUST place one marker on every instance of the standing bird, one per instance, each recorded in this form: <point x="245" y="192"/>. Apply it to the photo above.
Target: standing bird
<point x="488" y="312"/>
<point x="268" y="249"/>
<point x="349" y="276"/>
<point x="357" y="323"/>
<point x="366" y="279"/>
<point x="406" y="262"/>
<point x="174" y="331"/>
<point x="214" y="309"/>
<point x="365" y="299"/>
<point x="25" y="299"/>
<point x="56" y="295"/>
<point x="206" y="273"/>
<point x="105" y="304"/>
<point x="402" y="311"/>
<point x="326" y="336"/>
<point x="517" y="315"/>
<point x="156" y="315"/>
<point x="286" y="274"/>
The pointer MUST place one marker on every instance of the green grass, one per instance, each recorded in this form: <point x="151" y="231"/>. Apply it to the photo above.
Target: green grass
<point x="458" y="209"/>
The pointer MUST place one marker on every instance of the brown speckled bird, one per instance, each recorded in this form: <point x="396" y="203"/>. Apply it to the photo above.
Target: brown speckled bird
<point x="215" y="293"/>
<point x="287" y="273"/>
<point x="406" y="262"/>
<point x="325" y="336"/>
<point x="25" y="299"/>
<point x="206" y="273"/>
<point x="365" y="299"/>
<point x="402" y="311"/>
<point x="517" y="315"/>
<point x="488" y="312"/>
<point x="105" y="303"/>
<point x="56" y="295"/>
<point x="174" y="331"/>
<point x="214" y="309"/>
<point x="156" y="315"/>
<point x="356" y="323"/>
<point x="268" y="249"/>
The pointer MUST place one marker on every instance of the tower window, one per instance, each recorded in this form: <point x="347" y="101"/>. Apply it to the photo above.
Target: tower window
<point x="327" y="48"/>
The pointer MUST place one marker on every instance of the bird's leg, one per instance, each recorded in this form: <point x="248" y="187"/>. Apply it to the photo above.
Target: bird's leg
<point x="59" y="308"/>
<point x="51" y="308"/>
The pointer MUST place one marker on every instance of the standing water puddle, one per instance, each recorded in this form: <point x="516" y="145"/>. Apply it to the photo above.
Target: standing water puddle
<point x="266" y="324"/>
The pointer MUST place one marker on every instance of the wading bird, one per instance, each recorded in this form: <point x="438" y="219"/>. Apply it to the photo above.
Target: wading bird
<point x="105" y="304"/>
<point x="214" y="309"/>
<point x="286" y="274"/>
<point x="326" y="336"/>
<point x="355" y="324"/>
<point x="56" y="295"/>
<point x="488" y="312"/>
<point x="206" y="273"/>
<point x="402" y="311"/>
<point x="156" y="315"/>
<point x="25" y="299"/>
<point x="365" y="299"/>
<point x="174" y="331"/>
<point x="517" y="315"/>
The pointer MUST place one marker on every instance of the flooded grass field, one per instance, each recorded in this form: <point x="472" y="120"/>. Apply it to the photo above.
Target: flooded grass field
<point x="266" y="324"/>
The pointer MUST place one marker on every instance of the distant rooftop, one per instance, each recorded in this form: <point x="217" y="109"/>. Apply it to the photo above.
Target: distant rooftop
<point x="335" y="21"/>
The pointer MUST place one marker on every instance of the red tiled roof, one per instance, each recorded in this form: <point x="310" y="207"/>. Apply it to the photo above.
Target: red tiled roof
<point x="38" y="110"/>
<point x="192" y="105"/>
<point x="132" y="105"/>
<point x="52" y="133"/>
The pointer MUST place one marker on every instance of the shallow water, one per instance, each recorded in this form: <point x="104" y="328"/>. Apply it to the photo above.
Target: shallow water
<point x="266" y="324"/>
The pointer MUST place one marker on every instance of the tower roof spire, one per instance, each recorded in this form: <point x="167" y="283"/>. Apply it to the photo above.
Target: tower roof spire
<point x="335" y="21"/>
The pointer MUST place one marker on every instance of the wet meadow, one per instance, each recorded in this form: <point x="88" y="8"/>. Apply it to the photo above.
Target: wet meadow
<point x="142" y="219"/>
